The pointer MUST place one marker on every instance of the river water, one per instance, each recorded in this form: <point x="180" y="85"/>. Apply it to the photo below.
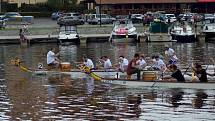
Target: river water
<point x="24" y="96"/>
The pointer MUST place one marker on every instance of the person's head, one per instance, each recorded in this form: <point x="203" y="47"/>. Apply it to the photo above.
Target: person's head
<point x="173" y="67"/>
<point x="157" y="57"/>
<point x="84" y="58"/>
<point x="53" y="49"/>
<point x="121" y="58"/>
<point x="166" y="47"/>
<point x="142" y="56"/>
<point x="136" y="56"/>
<point x="198" y="67"/>
<point x="105" y="58"/>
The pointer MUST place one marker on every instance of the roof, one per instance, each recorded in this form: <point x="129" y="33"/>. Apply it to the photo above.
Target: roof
<point x="143" y="1"/>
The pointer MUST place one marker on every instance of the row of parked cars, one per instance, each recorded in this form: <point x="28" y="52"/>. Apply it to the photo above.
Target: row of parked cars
<point x="79" y="19"/>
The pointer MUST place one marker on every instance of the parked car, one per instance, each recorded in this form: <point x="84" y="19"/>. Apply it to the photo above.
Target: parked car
<point x="12" y="16"/>
<point x="209" y="17"/>
<point x="122" y="17"/>
<point x="137" y="18"/>
<point x="69" y="20"/>
<point x="75" y="14"/>
<point x="2" y="24"/>
<point x="188" y="17"/>
<point x="2" y="17"/>
<point x="95" y="19"/>
<point x="56" y="15"/>
<point x="170" y="18"/>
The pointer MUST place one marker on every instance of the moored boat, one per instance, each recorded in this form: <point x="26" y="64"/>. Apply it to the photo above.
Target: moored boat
<point x="183" y="33"/>
<point x="68" y="34"/>
<point x="123" y="31"/>
<point x="209" y="30"/>
<point x="158" y="32"/>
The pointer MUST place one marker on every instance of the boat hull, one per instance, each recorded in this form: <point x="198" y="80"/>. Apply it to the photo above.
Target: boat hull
<point x="72" y="40"/>
<point x="124" y="38"/>
<point x="186" y="85"/>
<point x="209" y="35"/>
<point x="184" y="38"/>
<point x="158" y="37"/>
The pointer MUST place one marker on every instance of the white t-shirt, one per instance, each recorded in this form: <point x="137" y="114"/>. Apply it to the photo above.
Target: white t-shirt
<point x="107" y="64"/>
<point x="170" y="52"/>
<point x="158" y="64"/>
<point x="142" y="63"/>
<point x="50" y="57"/>
<point x="89" y="63"/>
<point x="123" y="64"/>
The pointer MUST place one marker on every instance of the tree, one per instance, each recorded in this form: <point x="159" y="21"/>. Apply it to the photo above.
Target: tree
<point x="62" y="4"/>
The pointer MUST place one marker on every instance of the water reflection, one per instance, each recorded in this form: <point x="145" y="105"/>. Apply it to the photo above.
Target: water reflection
<point x="59" y="97"/>
<point x="176" y="97"/>
<point x="198" y="101"/>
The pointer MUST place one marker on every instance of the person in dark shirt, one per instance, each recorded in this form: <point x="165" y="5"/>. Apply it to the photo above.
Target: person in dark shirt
<point x="176" y="74"/>
<point x="133" y="66"/>
<point x="200" y="73"/>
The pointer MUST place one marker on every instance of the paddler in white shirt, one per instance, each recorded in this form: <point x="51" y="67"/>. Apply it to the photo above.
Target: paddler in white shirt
<point x="88" y="62"/>
<point x="107" y="65"/>
<point x="142" y="63"/>
<point x="123" y="64"/>
<point x="52" y="59"/>
<point x="170" y="55"/>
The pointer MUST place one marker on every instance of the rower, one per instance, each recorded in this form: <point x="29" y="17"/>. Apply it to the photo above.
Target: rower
<point x="52" y="58"/>
<point x="200" y="73"/>
<point x="142" y="63"/>
<point x="133" y="67"/>
<point x="176" y="74"/>
<point x="88" y="62"/>
<point x="170" y="54"/>
<point x="158" y="64"/>
<point x="107" y="65"/>
<point x="123" y="64"/>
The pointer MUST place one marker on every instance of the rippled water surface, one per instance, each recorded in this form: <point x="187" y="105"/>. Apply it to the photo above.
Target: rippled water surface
<point x="24" y="96"/>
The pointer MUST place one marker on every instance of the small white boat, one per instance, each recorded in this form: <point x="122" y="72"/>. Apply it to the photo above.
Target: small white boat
<point x="68" y="34"/>
<point x="209" y="30"/>
<point x="123" y="31"/>
<point x="183" y="33"/>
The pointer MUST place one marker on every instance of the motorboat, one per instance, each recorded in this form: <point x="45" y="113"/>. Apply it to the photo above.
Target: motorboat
<point x="209" y="29"/>
<point x="68" y="34"/>
<point x="158" y="31"/>
<point x="183" y="33"/>
<point x="123" y="31"/>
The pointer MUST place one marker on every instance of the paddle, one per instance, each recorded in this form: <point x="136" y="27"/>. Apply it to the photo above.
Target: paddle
<point x="17" y="63"/>
<point x="159" y="77"/>
<point x="87" y="70"/>
<point x="187" y="69"/>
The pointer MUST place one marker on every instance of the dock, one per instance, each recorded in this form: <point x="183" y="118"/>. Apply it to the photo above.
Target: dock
<point x="84" y="38"/>
<point x="53" y="38"/>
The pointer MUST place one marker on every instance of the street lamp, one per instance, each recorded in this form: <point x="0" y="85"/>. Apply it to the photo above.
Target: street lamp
<point x="100" y="14"/>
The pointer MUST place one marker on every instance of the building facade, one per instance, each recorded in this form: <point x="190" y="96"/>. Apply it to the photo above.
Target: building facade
<point x="19" y="2"/>
<point x="116" y="7"/>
